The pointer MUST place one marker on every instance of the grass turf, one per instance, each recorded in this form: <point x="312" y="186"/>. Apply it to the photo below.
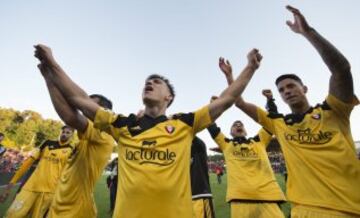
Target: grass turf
<point x="222" y="208"/>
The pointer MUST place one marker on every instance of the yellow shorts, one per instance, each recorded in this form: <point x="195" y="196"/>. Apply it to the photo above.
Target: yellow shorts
<point x="302" y="211"/>
<point x="203" y="208"/>
<point x="29" y="204"/>
<point x="255" y="210"/>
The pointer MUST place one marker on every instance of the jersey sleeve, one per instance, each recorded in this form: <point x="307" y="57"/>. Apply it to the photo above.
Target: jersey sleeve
<point x="95" y="136"/>
<point x="264" y="120"/>
<point x="342" y="109"/>
<point x="265" y="136"/>
<point x="25" y="166"/>
<point x="218" y="136"/>
<point x="109" y="122"/>
<point x="202" y="119"/>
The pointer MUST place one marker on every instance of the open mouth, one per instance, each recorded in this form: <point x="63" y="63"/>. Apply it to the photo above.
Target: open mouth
<point x="149" y="88"/>
<point x="290" y="97"/>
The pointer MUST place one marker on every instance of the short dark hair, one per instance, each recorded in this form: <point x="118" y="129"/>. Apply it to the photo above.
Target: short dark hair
<point x="1" y="134"/>
<point x="237" y="121"/>
<point x="288" y="76"/>
<point x="168" y="84"/>
<point x="103" y="101"/>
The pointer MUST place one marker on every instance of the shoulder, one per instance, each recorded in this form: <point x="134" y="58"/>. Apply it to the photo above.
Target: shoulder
<point x="187" y="118"/>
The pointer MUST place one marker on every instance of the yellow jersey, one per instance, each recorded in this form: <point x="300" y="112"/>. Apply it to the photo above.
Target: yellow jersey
<point x="323" y="170"/>
<point x="52" y="158"/>
<point x="249" y="172"/>
<point x="154" y="162"/>
<point x="74" y="194"/>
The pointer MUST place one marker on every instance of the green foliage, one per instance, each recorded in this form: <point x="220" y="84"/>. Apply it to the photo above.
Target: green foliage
<point x="25" y="129"/>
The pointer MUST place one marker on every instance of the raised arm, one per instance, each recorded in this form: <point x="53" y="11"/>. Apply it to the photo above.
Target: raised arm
<point x="73" y="94"/>
<point x="232" y="92"/>
<point x="270" y="101"/>
<point x="68" y="114"/>
<point x="248" y="108"/>
<point x="341" y="82"/>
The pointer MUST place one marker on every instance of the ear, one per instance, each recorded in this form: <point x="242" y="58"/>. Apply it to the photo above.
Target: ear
<point x="169" y="98"/>
<point x="305" y="89"/>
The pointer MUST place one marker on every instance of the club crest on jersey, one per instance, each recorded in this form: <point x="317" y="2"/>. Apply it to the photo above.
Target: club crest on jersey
<point x="316" y="116"/>
<point x="169" y="129"/>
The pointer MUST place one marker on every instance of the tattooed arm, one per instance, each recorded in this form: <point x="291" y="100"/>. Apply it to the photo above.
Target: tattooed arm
<point x="341" y="82"/>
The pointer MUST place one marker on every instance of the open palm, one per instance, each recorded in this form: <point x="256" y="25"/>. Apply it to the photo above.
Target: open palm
<point x="299" y="25"/>
<point x="225" y="67"/>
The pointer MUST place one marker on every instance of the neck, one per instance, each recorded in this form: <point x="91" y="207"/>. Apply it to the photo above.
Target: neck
<point x="155" y="111"/>
<point x="64" y="142"/>
<point x="300" y="108"/>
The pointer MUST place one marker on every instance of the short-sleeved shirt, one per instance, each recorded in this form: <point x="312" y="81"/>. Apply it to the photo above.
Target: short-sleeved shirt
<point x="320" y="155"/>
<point x="74" y="194"/>
<point x="154" y="162"/>
<point x="249" y="172"/>
<point x="52" y="158"/>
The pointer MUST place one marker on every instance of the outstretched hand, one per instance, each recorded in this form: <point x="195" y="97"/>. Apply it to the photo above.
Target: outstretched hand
<point x="299" y="25"/>
<point x="44" y="54"/>
<point x="225" y="67"/>
<point x="254" y="58"/>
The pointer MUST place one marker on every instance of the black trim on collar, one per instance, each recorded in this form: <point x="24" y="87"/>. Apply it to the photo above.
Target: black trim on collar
<point x="137" y="126"/>
<point x="242" y="140"/>
<point x="291" y="119"/>
<point x="53" y="145"/>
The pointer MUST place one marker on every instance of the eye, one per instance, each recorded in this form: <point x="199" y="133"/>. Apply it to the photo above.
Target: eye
<point x="157" y="81"/>
<point x="291" y="86"/>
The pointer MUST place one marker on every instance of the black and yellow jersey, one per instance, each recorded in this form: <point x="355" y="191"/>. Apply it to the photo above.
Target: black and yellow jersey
<point x="74" y="193"/>
<point x="199" y="171"/>
<point x="154" y="162"/>
<point x="52" y="158"/>
<point x="249" y="172"/>
<point x="320" y="155"/>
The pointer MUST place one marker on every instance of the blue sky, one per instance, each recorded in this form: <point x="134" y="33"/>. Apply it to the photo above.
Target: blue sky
<point x="110" y="47"/>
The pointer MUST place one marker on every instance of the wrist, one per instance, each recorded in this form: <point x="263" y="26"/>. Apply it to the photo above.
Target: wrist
<point x="309" y="32"/>
<point x="251" y="66"/>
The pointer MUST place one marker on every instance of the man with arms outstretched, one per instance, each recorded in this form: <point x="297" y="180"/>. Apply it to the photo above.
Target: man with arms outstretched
<point x="323" y="172"/>
<point x="154" y="151"/>
<point x="74" y="193"/>
<point x="252" y="189"/>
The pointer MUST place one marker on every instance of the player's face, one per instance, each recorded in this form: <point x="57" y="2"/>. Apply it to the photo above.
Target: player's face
<point x="156" y="92"/>
<point x="66" y="134"/>
<point x="1" y="138"/>
<point x="292" y="92"/>
<point x="238" y="129"/>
